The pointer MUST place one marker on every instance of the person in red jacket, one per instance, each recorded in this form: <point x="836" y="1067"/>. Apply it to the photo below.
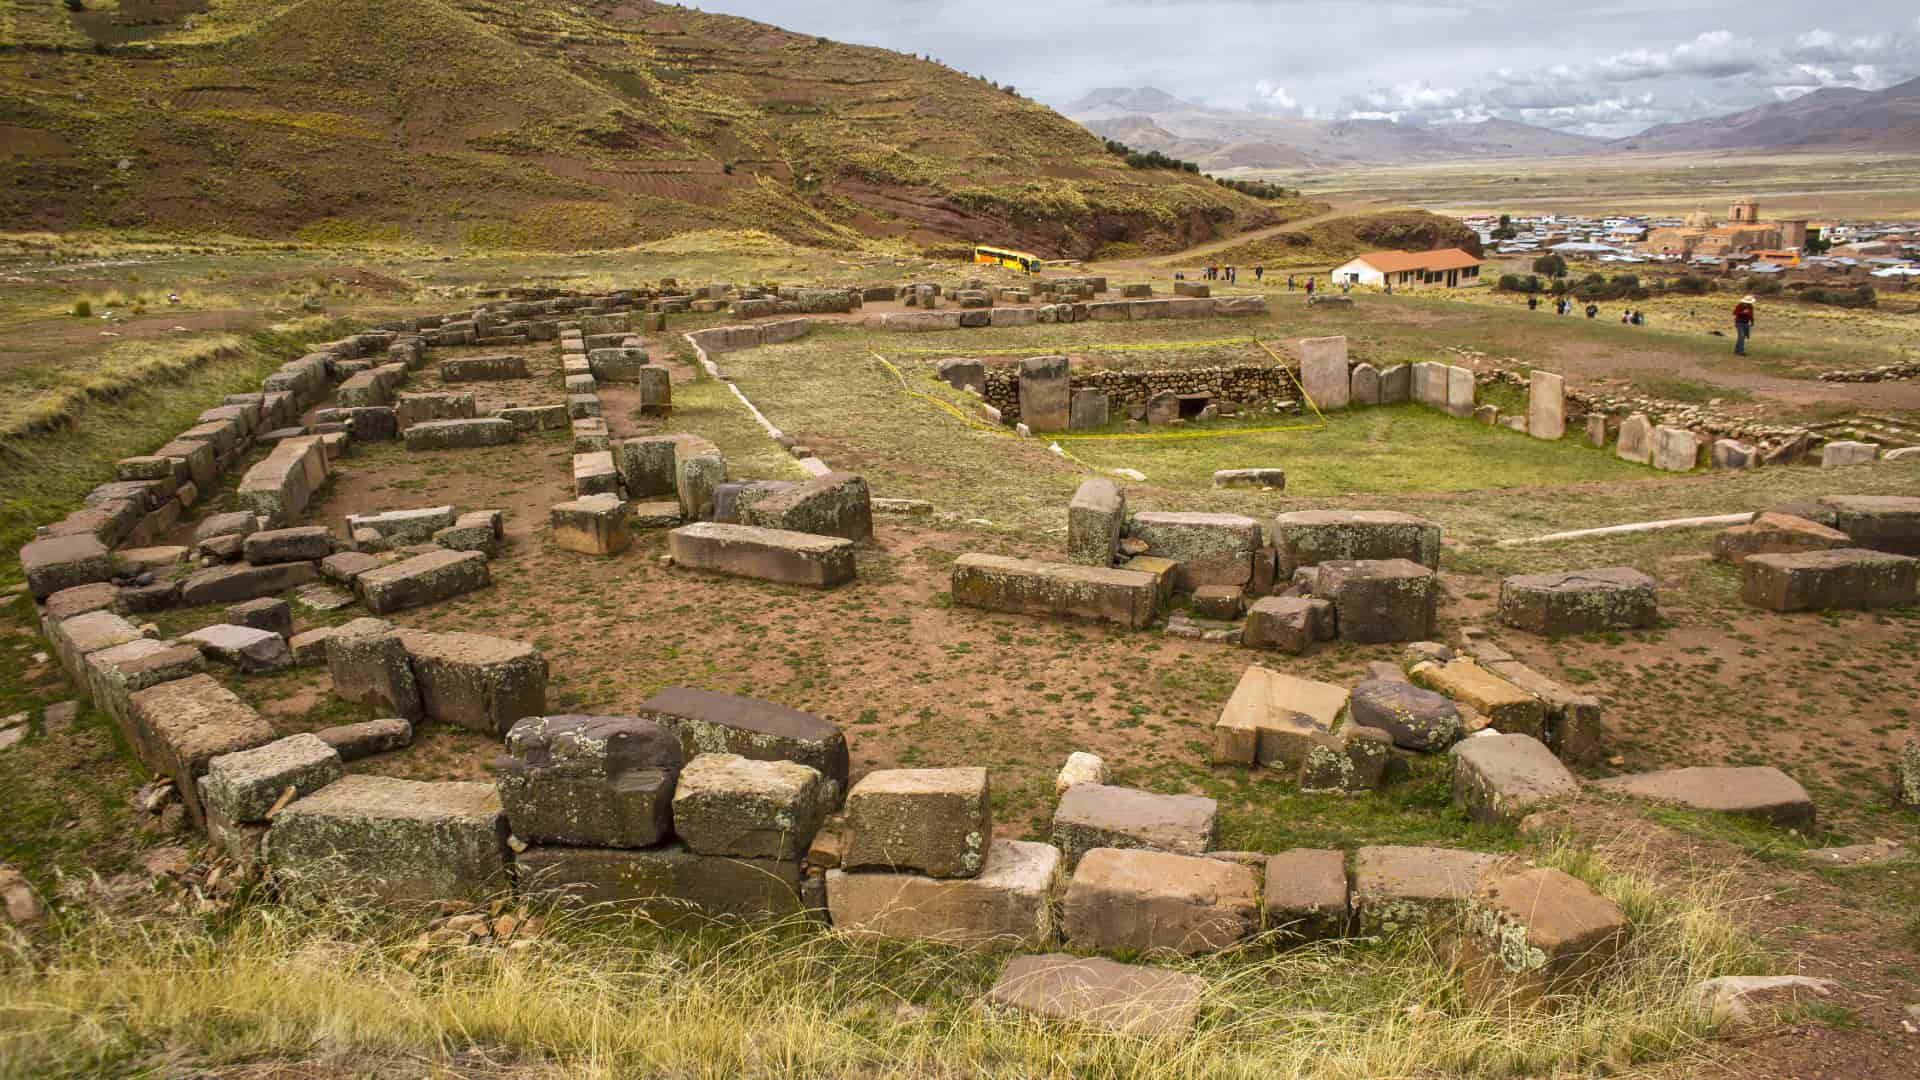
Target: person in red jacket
<point x="1742" y="324"/>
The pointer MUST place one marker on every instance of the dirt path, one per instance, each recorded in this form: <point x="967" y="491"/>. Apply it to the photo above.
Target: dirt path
<point x="1161" y="262"/>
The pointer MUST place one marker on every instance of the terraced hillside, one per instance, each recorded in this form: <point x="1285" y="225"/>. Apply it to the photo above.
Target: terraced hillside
<point x="541" y="124"/>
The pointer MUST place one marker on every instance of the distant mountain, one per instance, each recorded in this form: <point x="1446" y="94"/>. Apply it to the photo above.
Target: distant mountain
<point x="1147" y="118"/>
<point x="1836" y="117"/>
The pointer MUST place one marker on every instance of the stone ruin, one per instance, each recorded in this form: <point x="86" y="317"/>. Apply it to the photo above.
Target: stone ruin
<point x="701" y="806"/>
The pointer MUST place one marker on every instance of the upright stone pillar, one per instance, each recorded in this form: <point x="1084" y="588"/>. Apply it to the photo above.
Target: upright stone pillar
<point x="1546" y="406"/>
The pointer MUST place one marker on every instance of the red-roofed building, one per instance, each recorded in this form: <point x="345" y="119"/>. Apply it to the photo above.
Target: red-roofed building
<point x="1444" y="268"/>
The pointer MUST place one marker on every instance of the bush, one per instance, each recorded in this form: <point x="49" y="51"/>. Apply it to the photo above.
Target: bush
<point x="1760" y="285"/>
<point x="82" y="309"/>
<point x="1550" y="265"/>
<point x="1516" y="283"/>
<point x="1691" y="285"/>
<point x="1847" y="298"/>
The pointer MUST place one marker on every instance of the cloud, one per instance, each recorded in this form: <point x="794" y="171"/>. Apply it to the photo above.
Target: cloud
<point x="1716" y="54"/>
<point x="1271" y="97"/>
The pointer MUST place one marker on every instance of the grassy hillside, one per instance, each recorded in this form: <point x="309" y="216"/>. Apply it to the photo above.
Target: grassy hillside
<point x="543" y="124"/>
<point x="1339" y="239"/>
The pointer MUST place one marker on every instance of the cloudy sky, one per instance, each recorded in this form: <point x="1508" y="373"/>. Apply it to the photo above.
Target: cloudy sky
<point x="1610" y="69"/>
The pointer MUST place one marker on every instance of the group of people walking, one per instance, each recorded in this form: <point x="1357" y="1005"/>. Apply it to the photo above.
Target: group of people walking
<point x="1231" y="274"/>
<point x="1742" y="316"/>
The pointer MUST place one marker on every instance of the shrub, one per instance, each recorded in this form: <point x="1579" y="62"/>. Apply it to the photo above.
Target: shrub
<point x="1550" y="265"/>
<point x="1516" y="283"/>
<point x="82" y="309"/>
<point x="1691" y="284"/>
<point x="1760" y="285"/>
<point x="1847" y="298"/>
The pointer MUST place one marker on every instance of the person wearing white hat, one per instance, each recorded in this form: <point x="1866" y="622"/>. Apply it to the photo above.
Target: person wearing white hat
<point x="1742" y="324"/>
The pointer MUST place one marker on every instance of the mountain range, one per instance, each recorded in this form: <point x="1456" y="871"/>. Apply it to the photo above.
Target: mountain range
<point x="1225" y="139"/>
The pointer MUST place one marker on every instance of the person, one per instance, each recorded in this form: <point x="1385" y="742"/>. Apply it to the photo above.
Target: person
<point x="1639" y="318"/>
<point x="1289" y="282"/>
<point x="1593" y="311"/>
<point x="1233" y="276"/>
<point x="1626" y="317"/>
<point x="1389" y="288"/>
<point x="1742" y="324"/>
<point x="1533" y="302"/>
<point x="1346" y="287"/>
<point x="1259" y="272"/>
<point x="1309" y="288"/>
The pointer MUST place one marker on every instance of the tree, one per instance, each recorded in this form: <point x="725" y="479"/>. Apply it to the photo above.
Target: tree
<point x="1505" y="230"/>
<point x="1550" y="265"/>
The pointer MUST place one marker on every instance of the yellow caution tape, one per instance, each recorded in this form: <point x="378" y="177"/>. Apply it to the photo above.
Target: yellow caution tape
<point x="1041" y="350"/>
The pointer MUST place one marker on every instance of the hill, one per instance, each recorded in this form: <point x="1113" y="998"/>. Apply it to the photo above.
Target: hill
<point x="540" y="123"/>
<point x="1220" y="139"/>
<point x="1835" y="117"/>
<point x="1336" y="240"/>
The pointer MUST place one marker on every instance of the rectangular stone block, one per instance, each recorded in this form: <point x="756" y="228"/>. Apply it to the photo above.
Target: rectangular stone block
<point x="181" y="726"/>
<point x="833" y="504"/>
<point x="114" y="674"/>
<point x="1841" y="579"/>
<point x="1503" y="778"/>
<point x="394" y="841"/>
<point x="234" y="583"/>
<point x="931" y="821"/>
<point x="1212" y="549"/>
<point x="483" y="368"/>
<point x="1046" y="394"/>
<point x="62" y="562"/>
<point x="1546" y="405"/>
<point x="1311" y="537"/>
<point x="1144" y="901"/>
<point x="423" y="579"/>
<point x="1304" y="895"/>
<point x="594" y="525"/>
<point x="1401" y="888"/>
<point x="1095" y="520"/>
<point x="1008" y="906"/>
<point x="244" y="786"/>
<point x="1379" y="600"/>
<point x="590" y="781"/>
<point x="481" y="683"/>
<point x="790" y="558"/>
<point x="1105" y="816"/>
<point x="1022" y="586"/>
<point x="459" y="434"/>
<point x="1141" y="1002"/>
<point x="1324" y="372"/>
<point x="1275" y="719"/>
<point x="725" y="804"/>
<point x="1509" y="709"/>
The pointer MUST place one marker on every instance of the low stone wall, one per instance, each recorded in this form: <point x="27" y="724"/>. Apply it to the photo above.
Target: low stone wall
<point x="1243" y="383"/>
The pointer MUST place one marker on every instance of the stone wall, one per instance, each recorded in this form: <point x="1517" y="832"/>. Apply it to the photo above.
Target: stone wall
<point x="1247" y="384"/>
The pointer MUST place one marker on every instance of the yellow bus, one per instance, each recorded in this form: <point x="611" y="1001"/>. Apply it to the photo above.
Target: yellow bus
<point x="1007" y="257"/>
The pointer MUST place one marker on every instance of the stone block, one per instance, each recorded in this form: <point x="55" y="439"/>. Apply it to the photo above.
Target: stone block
<point x="1104" y="816"/>
<point x="669" y="885"/>
<point x="590" y="781"/>
<point x="241" y="581"/>
<point x="305" y="543"/>
<point x="791" y="558"/>
<point x="1274" y="719"/>
<point x="594" y="474"/>
<point x="367" y="738"/>
<point x="1212" y="549"/>
<point x="1136" y="1001"/>
<point x="1580" y="601"/>
<point x="369" y="666"/>
<point x="1095" y="519"/>
<point x="275" y="616"/>
<point x="1537" y="932"/>
<point x="395" y="841"/>
<point x="1222" y="602"/>
<point x="725" y="804"/>
<point x="1414" y="718"/>
<point x="1324" y="373"/>
<point x="699" y="468"/>
<point x="1289" y="624"/>
<point x="483" y="369"/>
<point x="1022" y="586"/>
<point x="1776" y="534"/>
<point x="460" y="434"/>
<point x="398" y="528"/>
<point x="1146" y="901"/>
<point x="594" y="525"/>
<point x="1635" y="441"/>
<point x="113" y="674"/>
<point x="1758" y="791"/>
<point x="1836" y="580"/>
<point x="1503" y="778"/>
<point x="1733" y="454"/>
<point x="1355" y="759"/>
<point x="54" y="563"/>
<point x="1546" y="405"/>
<point x="481" y="683"/>
<point x="646" y="466"/>
<point x="1843" y="452"/>
<point x="1045" y="393"/>
<point x="1305" y="894"/>
<point x="1311" y="537"/>
<point x="1889" y="523"/>
<point x="423" y="579"/>
<point x="1007" y="906"/>
<point x="1399" y="888"/>
<point x="483" y="531"/>
<point x="244" y="647"/>
<point x="932" y="821"/>
<point x="243" y="787"/>
<point x="710" y="723"/>
<point x="76" y="638"/>
<point x="1379" y="600"/>
<point x="1396" y="384"/>
<point x="1364" y="385"/>
<point x="1088" y="408"/>
<point x="1675" y="449"/>
<point x="1265" y="479"/>
<point x="1460" y="391"/>
<point x="833" y="504"/>
<point x="180" y="726"/>
<point x="1508" y="708"/>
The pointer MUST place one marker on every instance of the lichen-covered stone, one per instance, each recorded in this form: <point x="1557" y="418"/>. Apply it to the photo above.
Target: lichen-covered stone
<point x="181" y="726"/>
<point x="241" y="581"/>
<point x="396" y="841"/>
<point x="1416" y="719"/>
<point x="646" y="465"/>
<point x="1397" y="888"/>
<point x="423" y="579"/>
<point x="242" y="787"/>
<point x="1503" y="778"/>
<point x="1024" y="586"/>
<point x="933" y="821"/>
<point x="1274" y="719"/>
<point x="1841" y="579"/>
<point x="1775" y="534"/>
<point x="1352" y="760"/>
<point x="481" y="683"/>
<point x="1311" y="537"/>
<point x="1305" y="893"/>
<point x="1759" y="791"/>
<point x="777" y="555"/>
<point x="460" y="434"/>
<point x="1539" y="931"/>
<point x="836" y="504"/>
<point x="1379" y="600"/>
<point x="699" y="467"/>
<point x="61" y="562"/>
<point x="369" y="666"/>
<point x="1289" y="624"/>
<point x="1095" y="519"/>
<point x="368" y="737"/>
<point x="244" y="647"/>
<point x="113" y="674"/>
<point x="1580" y="601"/>
<point x="725" y="804"/>
<point x="669" y="885"/>
<point x="1140" y="1002"/>
<point x="590" y="781"/>
<point x="1509" y="708"/>
<point x="592" y="525"/>
<point x="1212" y="549"/>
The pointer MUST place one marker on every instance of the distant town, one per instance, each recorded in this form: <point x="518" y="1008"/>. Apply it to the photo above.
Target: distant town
<point x="1742" y="241"/>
